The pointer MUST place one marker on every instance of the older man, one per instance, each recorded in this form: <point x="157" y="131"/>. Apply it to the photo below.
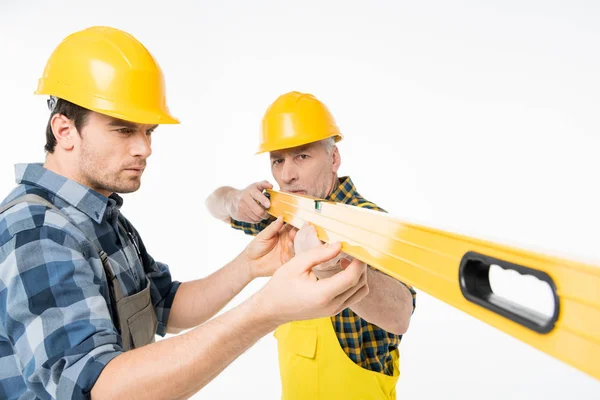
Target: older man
<point x="354" y="354"/>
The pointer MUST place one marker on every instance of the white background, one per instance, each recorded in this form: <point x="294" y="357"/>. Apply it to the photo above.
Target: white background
<point x="479" y="117"/>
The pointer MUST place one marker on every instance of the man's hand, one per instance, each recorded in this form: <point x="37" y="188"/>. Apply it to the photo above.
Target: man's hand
<point x="270" y="249"/>
<point x="306" y="239"/>
<point x="249" y="204"/>
<point x="389" y="304"/>
<point x="294" y="293"/>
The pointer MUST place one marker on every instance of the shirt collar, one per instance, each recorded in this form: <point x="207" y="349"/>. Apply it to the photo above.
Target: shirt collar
<point x="344" y="192"/>
<point x="86" y="200"/>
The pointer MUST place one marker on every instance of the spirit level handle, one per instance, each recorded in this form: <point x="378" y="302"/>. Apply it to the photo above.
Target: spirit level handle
<point x="474" y="278"/>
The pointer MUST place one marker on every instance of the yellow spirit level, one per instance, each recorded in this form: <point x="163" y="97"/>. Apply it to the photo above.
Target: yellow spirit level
<point x="455" y="269"/>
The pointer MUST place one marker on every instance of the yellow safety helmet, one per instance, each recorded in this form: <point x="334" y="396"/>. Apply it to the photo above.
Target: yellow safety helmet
<point x="296" y="119"/>
<point x="108" y="71"/>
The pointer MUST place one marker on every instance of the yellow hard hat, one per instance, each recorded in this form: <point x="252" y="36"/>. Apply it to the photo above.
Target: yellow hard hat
<point x="108" y="71"/>
<point x="296" y="119"/>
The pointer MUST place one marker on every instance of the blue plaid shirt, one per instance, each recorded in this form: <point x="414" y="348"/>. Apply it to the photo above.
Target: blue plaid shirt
<point x="56" y="331"/>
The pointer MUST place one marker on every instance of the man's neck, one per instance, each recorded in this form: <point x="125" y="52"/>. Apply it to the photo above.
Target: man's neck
<point x="53" y="164"/>
<point x="334" y="184"/>
<point x="64" y="168"/>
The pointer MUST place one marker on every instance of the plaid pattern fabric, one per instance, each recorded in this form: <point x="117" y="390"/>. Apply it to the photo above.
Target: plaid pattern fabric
<point x="366" y="344"/>
<point x="56" y="331"/>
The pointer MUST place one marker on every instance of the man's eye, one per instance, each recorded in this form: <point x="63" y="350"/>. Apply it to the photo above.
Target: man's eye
<point x="277" y="162"/>
<point x="125" y="131"/>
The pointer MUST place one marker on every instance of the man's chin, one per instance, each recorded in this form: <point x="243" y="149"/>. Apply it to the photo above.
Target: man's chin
<point x="128" y="188"/>
<point x="300" y="192"/>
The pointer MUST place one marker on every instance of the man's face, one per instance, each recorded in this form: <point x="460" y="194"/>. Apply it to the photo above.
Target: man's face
<point x="308" y="170"/>
<point x="112" y="154"/>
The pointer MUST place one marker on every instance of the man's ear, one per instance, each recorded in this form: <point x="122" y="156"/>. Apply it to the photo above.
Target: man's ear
<point x="337" y="160"/>
<point x="64" y="131"/>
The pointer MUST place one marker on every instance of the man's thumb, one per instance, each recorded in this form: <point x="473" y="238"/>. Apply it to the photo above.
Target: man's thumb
<point x="317" y="255"/>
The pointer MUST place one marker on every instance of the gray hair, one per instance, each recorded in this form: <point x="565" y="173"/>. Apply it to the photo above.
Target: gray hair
<point x="329" y="144"/>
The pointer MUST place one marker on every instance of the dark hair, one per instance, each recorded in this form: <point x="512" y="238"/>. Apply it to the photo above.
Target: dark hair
<point x="75" y="113"/>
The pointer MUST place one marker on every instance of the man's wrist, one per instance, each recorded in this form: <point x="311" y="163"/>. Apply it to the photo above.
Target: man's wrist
<point x="245" y="265"/>
<point x="228" y="200"/>
<point x="263" y="312"/>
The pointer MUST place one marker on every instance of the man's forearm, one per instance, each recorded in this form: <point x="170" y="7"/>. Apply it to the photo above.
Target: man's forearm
<point x="197" y="301"/>
<point x="388" y="305"/>
<point x="216" y="203"/>
<point x="178" y="367"/>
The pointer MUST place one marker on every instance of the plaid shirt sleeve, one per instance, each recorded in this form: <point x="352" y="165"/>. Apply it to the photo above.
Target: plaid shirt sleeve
<point x="53" y="313"/>
<point x="249" y="228"/>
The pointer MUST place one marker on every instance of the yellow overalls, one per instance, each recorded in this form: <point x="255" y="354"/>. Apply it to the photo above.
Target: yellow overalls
<point x="313" y="366"/>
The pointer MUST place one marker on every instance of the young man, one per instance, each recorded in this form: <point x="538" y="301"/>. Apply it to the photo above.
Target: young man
<point x="354" y="354"/>
<point x="80" y="296"/>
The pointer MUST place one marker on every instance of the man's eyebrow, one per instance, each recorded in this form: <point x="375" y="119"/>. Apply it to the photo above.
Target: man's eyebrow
<point x="301" y="149"/>
<point x="122" y="123"/>
<point x="115" y="122"/>
<point x="294" y="151"/>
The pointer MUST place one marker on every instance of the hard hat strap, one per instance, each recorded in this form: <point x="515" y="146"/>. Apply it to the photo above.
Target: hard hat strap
<point x="52" y="101"/>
